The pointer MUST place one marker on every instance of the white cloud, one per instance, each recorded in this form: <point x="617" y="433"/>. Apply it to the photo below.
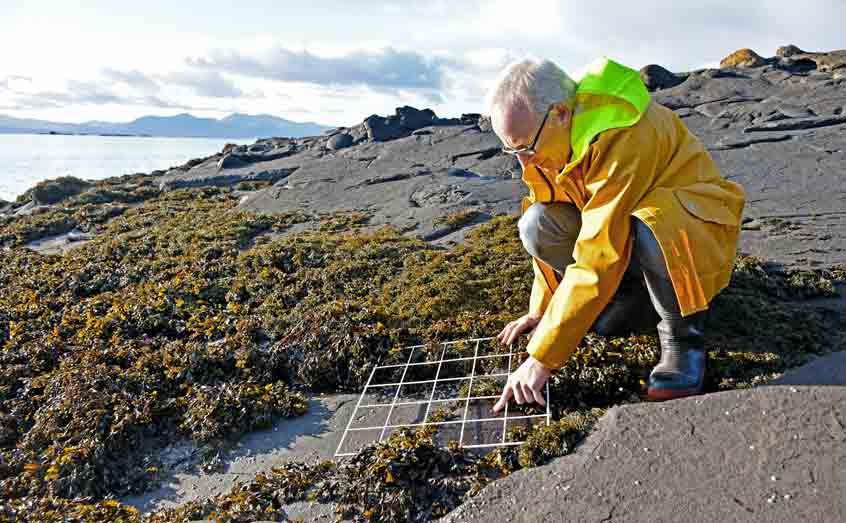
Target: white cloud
<point x="345" y="63"/>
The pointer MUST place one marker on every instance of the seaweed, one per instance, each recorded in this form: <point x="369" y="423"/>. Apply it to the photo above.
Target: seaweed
<point x="185" y="317"/>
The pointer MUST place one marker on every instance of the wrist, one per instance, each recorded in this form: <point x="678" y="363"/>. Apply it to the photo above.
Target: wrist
<point x="539" y="363"/>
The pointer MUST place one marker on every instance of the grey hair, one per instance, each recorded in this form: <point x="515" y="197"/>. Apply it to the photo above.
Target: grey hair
<point x="537" y="83"/>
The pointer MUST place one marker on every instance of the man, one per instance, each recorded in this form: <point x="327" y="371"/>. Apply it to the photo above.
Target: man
<point x="621" y="196"/>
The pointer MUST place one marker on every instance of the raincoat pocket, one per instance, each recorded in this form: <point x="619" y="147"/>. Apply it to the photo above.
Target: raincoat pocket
<point x="711" y="202"/>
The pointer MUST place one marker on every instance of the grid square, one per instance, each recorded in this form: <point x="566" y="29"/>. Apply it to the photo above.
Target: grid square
<point x="376" y="394"/>
<point x="370" y="417"/>
<point x="451" y="387"/>
<point x="354" y="440"/>
<point x="516" y="428"/>
<point x="415" y="391"/>
<point x="388" y="374"/>
<point x="482" y="434"/>
<point x="456" y="368"/>
<point x="408" y="413"/>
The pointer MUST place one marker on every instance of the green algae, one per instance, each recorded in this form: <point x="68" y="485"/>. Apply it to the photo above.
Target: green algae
<point x="459" y="219"/>
<point x="181" y="319"/>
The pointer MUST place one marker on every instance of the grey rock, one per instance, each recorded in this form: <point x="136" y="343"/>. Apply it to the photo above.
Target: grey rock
<point x="215" y="178"/>
<point x="798" y="123"/>
<point x="339" y="141"/>
<point x="231" y="161"/>
<point x="413" y="119"/>
<point x="772" y="453"/>
<point x="53" y="191"/>
<point x="406" y="120"/>
<point x="381" y="129"/>
<point x="788" y="50"/>
<point x="656" y="77"/>
<point x="739" y="142"/>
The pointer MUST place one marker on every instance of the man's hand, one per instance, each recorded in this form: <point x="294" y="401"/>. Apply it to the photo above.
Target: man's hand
<point x="525" y="384"/>
<point x="516" y="327"/>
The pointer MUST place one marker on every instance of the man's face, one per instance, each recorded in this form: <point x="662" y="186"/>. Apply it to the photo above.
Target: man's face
<point x="547" y="134"/>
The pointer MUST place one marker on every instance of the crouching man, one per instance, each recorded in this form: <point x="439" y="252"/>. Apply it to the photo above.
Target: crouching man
<point x="627" y="218"/>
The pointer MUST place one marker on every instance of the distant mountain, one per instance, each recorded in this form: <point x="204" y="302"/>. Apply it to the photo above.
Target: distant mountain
<point x="181" y="125"/>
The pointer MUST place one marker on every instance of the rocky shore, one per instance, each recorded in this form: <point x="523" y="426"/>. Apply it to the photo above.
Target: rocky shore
<point x="206" y="301"/>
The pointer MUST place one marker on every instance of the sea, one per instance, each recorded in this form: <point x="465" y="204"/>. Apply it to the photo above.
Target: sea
<point x="26" y="159"/>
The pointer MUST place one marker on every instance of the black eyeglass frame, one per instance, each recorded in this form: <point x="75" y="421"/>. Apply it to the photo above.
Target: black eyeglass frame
<point x="531" y="148"/>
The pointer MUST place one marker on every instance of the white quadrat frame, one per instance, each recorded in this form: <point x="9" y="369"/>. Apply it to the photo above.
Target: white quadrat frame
<point x="426" y="423"/>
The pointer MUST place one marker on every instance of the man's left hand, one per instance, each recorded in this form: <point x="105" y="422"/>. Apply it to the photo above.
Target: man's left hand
<point x="525" y="384"/>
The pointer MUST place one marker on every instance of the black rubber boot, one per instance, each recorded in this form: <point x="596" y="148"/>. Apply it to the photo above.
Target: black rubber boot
<point x="630" y="310"/>
<point x="681" y="370"/>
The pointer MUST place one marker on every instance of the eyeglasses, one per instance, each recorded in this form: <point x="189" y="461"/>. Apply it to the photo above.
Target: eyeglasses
<point x="529" y="150"/>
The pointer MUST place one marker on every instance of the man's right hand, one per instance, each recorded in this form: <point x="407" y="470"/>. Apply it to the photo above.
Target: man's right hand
<point x="517" y="327"/>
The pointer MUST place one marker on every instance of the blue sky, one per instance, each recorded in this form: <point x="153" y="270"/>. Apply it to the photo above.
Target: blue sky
<point x="337" y="62"/>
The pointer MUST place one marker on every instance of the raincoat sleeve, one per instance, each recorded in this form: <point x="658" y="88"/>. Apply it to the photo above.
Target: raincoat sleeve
<point x="619" y="174"/>
<point x="541" y="294"/>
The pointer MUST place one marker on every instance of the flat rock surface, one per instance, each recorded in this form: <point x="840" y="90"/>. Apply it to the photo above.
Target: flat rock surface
<point x="313" y="436"/>
<point x="778" y="133"/>
<point x="773" y="453"/>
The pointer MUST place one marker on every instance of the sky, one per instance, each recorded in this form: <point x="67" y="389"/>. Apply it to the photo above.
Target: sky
<point x="337" y="62"/>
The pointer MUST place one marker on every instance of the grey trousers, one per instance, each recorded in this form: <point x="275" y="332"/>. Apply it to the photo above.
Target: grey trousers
<point x="549" y="232"/>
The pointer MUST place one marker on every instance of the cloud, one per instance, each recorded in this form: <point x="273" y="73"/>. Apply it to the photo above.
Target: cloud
<point x="211" y="84"/>
<point x="205" y="83"/>
<point x="386" y="68"/>
<point x="134" y="79"/>
<point x="86" y="93"/>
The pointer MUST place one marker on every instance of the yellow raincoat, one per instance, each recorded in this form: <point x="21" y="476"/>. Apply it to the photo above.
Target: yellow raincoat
<point x="630" y="157"/>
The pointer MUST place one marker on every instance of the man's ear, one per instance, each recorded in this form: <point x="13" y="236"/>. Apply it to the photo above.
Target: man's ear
<point x="563" y="112"/>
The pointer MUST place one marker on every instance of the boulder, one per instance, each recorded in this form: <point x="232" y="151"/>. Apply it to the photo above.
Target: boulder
<point x="54" y="191"/>
<point x="383" y="129"/>
<point x="406" y="120"/>
<point x="656" y="77"/>
<point x="413" y="119"/>
<point x="788" y="50"/>
<point x="743" y="58"/>
<point x="823" y="62"/>
<point x="339" y="141"/>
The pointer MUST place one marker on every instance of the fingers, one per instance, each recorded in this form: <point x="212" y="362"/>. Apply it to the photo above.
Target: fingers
<point x="539" y="397"/>
<point x="518" y="393"/>
<point x="503" y="398"/>
<point x="520" y="326"/>
<point x="503" y="335"/>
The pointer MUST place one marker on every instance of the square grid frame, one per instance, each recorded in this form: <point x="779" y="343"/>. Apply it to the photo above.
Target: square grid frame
<point x="464" y="421"/>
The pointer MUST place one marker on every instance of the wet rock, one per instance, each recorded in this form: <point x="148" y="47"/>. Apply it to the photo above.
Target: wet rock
<point x="656" y="77"/>
<point x="339" y="141"/>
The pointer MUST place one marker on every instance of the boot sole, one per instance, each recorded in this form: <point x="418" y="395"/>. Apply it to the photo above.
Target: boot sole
<point x="669" y="394"/>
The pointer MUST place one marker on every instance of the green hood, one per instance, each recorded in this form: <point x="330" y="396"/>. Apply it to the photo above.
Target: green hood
<point x="608" y="96"/>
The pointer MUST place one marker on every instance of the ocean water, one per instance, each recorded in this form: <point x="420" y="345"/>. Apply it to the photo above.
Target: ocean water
<point x="26" y="159"/>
